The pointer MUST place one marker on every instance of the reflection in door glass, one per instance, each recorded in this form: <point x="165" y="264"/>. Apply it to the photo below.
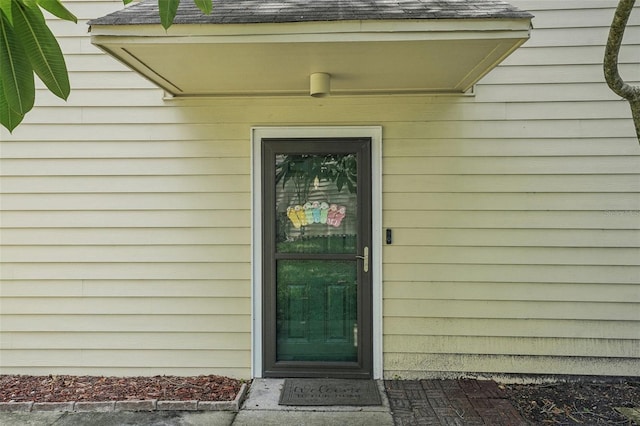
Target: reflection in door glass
<point x="316" y="203"/>
<point x="316" y="307"/>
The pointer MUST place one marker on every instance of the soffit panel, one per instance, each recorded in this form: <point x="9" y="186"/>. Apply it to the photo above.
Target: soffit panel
<point x="209" y="69"/>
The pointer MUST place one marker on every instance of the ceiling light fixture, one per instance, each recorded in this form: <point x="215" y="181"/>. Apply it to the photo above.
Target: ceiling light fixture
<point x="320" y="84"/>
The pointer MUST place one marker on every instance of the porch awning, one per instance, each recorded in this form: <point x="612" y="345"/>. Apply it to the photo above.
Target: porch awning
<point x="269" y="47"/>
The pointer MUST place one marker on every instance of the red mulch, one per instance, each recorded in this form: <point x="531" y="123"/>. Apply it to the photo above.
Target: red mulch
<point x="16" y="388"/>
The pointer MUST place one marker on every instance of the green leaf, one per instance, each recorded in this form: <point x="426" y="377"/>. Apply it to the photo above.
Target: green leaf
<point x="15" y="70"/>
<point x="8" y="117"/>
<point x="206" y="6"/>
<point x="5" y="6"/>
<point x="126" y="2"/>
<point x="352" y="188"/>
<point x="168" y="10"/>
<point x="57" y="9"/>
<point x="42" y="49"/>
<point x="340" y="183"/>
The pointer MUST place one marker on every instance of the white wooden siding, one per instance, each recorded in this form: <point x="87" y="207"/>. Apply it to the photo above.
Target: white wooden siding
<point x="125" y="223"/>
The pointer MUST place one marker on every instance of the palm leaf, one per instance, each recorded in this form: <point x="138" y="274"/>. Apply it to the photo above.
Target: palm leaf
<point x="57" y="9"/>
<point x="206" y="6"/>
<point x="8" y="117"/>
<point x="168" y="10"/>
<point x="15" y="70"/>
<point x="42" y="48"/>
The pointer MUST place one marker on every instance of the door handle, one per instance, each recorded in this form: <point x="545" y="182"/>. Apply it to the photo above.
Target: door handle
<point x="365" y="259"/>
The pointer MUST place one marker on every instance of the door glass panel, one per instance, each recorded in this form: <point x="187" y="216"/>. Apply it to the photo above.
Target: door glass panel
<point x="316" y="215"/>
<point x="316" y="203"/>
<point x="316" y="305"/>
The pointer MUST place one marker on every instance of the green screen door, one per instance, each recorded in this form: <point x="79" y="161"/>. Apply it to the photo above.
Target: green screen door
<point x="316" y="257"/>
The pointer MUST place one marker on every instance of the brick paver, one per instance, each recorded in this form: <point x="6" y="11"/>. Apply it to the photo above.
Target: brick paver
<point x="450" y="403"/>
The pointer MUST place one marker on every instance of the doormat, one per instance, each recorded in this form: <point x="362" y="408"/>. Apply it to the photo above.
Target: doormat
<point x="330" y="392"/>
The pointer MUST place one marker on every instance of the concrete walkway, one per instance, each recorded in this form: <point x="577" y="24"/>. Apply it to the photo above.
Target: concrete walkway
<point x="412" y="402"/>
<point x="261" y="408"/>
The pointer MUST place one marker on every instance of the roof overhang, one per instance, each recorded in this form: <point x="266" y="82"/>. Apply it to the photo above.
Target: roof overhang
<point x="362" y="57"/>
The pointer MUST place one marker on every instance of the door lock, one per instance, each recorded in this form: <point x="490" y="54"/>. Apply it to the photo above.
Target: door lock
<point x="365" y="259"/>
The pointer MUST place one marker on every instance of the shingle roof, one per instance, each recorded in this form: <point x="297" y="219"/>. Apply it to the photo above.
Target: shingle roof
<point x="274" y="11"/>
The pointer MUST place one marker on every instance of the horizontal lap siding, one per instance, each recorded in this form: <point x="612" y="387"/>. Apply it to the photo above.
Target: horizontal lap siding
<point x="125" y="234"/>
<point x="126" y="220"/>
<point x="517" y="251"/>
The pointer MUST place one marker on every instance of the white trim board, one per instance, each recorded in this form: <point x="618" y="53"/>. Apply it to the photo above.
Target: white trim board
<point x="257" y="134"/>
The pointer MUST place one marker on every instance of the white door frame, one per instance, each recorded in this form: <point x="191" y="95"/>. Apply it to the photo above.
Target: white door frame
<point x="257" y="134"/>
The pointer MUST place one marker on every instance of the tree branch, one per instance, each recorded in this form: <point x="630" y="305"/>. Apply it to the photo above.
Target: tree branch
<point x="611" y="73"/>
<point x="616" y="33"/>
